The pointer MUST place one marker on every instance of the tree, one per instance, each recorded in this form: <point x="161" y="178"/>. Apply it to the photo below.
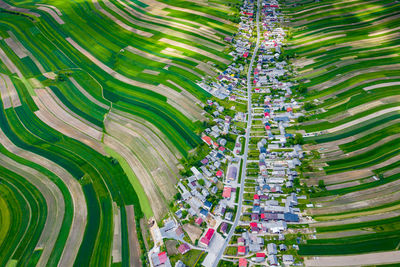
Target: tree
<point x="201" y="182"/>
<point x="321" y="184"/>
<point x="309" y="106"/>
<point x="301" y="119"/>
<point x="178" y="196"/>
<point x="298" y="139"/>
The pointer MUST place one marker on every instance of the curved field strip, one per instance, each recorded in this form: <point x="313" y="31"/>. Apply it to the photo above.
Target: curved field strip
<point x="165" y="30"/>
<point x="79" y="211"/>
<point x="54" y="201"/>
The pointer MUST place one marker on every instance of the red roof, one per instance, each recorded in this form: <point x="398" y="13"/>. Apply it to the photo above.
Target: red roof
<point x="222" y="149"/>
<point x="256" y="196"/>
<point x="199" y="220"/>
<point x="162" y="257"/>
<point x="262" y="215"/>
<point x="267" y="127"/>
<point x="207" y="237"/>
<point x="241" y="249"/>
<point x="216" y="144"/>
<point x="289" y="109"/>
<point x="219" y="173"/>
<point x="260" y="254"/>
<point x="246" y="54"/>
<point x="207" y="139"/>
<point x="227" y="192"/>
<point x="242" y="262"/>
<point x="253" y="224"/>
<point x="209" y="234"/>
<point x="183" y="248"/>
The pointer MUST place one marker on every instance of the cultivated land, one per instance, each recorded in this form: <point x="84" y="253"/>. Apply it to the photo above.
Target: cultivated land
<point x="347" y="57"/>
<point x="99" y="106"/>
<point x="124" y="123"/>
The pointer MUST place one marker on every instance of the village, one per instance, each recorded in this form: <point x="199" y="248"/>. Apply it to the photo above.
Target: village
<point x="243" y="202"/>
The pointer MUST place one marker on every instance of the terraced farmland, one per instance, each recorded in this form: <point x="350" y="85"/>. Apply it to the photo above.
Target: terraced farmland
<point x="99" y="103"/>
<point x="347" y="57"/>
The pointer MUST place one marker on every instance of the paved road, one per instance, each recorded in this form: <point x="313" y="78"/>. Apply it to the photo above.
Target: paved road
<point x="246" y="148"/>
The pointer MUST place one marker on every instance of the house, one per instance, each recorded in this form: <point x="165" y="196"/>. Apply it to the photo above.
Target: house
<point x="224" y="227"/>
<point x="241" y="250"/>
<point x="272" y="260"/>
<point x="227" y="192"/>
<point x="208" y="205"/>
<point x="282" y="247"/>
<point x="242" y="262"/>
<point x="179" y="232"/>
<point x="260" y="257"/>
<point x="207" y="139"/>
<point x="228" y="216"/>
<point x="183" y="248"/>
<point x="287" y="259"/>
<point x="179" y="263"/>
<point x="207" y="237"/>
<point x="271" y="247"/>
<point x="232" y="173"/>
<point x="198" y="221"/>
<point x="160" y="259"/>
<point x="241" y="241"/>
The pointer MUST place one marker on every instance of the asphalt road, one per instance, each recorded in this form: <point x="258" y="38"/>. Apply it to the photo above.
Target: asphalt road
<point x="246" y="148"/>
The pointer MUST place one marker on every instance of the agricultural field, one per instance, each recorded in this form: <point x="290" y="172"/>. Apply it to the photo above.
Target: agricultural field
<point x="346" y="55"/>
<point x="99" y="107"/>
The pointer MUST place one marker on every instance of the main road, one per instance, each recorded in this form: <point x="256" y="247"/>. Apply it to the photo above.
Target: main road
<point x="247" y="136"/>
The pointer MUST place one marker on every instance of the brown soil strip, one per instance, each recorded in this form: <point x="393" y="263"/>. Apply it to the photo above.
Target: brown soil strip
<point x="52" y="13"/>
<point x="134" y="247"/>
<point x="355" y="260"/>
<point x="117" y="240"/>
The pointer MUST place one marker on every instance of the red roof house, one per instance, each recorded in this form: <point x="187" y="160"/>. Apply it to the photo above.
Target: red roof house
<point x="256" y="197"/>
<point x="207" y="237"/>
<point x="162" y="257"/>
<point x="253" y="224"/>
<point x="246" y="54"/>
<point x="242" y="262"/>
<point x="199" y="220"/>
<point x="227" y="192"/>
<point x="260" y="255"/>
<point x="207" y="139"/>
<point x="183" y="248"/>
<point x="241" y="250"/>
<point x="219" y="174"/>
